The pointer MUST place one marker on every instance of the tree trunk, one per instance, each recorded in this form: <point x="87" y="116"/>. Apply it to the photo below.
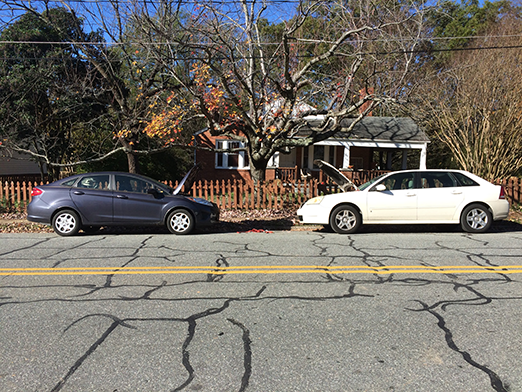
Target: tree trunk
<point x="53" y="173"/>
<point x="132" y="161"/>
<point x="257" y="171"/>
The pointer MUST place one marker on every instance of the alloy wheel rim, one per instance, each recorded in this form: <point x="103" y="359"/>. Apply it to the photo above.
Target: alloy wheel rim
<point x="345" y="220"/>
<point x="477" y="219"/>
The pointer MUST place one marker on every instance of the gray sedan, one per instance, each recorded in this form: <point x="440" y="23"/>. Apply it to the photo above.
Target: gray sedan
<point x="90" y="201"/>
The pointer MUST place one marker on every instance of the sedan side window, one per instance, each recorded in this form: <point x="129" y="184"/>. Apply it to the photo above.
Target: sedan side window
<point x="132" y="184"/>
<point x="100" y="182"/>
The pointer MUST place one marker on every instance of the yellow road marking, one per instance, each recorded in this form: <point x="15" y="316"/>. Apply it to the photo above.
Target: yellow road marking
<point x="270" y="269"/>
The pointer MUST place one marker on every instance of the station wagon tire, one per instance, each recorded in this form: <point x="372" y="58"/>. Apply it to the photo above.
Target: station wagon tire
<point x="66" y="223"/>
<point x="180" y="222"/>
<point x="476" y="218"/>
<point x="345" y="220"/>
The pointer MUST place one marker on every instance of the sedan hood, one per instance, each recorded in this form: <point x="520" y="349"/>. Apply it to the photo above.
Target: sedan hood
<point x="344" y="183"/>
<point x="188" y="180"/>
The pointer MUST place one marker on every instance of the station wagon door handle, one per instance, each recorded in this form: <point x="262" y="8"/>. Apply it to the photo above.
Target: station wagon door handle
<point x="79" y="193"/>
<point x="122" y="197"/>
<point x="409" y="194"/>
<point x="456" y="193"/>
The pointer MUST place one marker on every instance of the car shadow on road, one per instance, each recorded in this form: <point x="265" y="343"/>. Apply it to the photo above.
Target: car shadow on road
<point x="497" y="227"/>
<point x="283" y="224"/>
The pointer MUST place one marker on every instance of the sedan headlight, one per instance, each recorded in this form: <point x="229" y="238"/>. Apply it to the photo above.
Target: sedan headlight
<point x="315" y="200"/>
<point x="201" y="201"/>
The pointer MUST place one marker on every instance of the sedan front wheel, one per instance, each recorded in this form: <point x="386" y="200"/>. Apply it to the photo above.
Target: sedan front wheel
<point x="345" y="220"/>
<point x="66" y="223"/>
<point x="180" y="222"/>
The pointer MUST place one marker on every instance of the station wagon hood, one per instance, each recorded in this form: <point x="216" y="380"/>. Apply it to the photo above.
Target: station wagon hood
<point x="344" y="183"/>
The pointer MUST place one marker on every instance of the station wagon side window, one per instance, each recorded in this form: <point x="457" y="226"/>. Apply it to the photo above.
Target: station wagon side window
<point x="399" y="181"/>
<point x="100" y="182"/>
<point x="464" y="180"/>
<point x="437" y="180"/>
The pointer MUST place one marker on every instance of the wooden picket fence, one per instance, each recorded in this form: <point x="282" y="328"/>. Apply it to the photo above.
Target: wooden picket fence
<point x="236" y="194"/>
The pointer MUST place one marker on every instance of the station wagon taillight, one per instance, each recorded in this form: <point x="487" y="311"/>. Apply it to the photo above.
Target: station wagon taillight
<point x="502" y="193"/>
<point x="36" y="192"/>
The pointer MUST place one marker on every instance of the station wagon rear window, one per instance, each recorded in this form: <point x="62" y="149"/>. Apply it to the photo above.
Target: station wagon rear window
<point x="464" y="180"/>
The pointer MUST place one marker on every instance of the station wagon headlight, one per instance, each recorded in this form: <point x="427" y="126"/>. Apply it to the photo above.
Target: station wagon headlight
<point x="315" y="200"/>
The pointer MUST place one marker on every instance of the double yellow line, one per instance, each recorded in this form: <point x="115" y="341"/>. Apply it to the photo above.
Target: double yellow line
<point x="267" y="269"/>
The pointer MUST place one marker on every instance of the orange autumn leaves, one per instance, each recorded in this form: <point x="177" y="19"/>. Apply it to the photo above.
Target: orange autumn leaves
<point x="169" y="116"/>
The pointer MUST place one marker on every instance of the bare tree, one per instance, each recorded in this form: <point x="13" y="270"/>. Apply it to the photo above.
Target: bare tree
<point x="260" y="83"/>
<point x="129" y="80"/>
<point x="475" y="106"/>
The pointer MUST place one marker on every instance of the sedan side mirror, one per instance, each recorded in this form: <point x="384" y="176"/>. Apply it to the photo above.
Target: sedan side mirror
<point x="154" y="192"/>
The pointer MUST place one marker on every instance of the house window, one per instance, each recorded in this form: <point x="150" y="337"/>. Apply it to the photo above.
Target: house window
<point x="230" y="159"/>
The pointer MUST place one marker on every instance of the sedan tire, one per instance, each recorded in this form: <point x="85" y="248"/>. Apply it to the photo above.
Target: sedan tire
<point x="345" y="220"/>
<point x="66" y="223"/>
<point x="476" y="218"/>
<point x="180" y="222"/>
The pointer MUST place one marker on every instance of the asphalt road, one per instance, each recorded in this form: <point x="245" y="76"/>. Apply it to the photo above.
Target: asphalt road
<point x="282" y="311"/>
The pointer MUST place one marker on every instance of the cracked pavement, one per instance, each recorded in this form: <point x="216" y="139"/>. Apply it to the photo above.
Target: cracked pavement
<point x="286" y="311"/>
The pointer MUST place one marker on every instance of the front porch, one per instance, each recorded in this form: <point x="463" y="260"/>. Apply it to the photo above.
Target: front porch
<point x="293" y="174"/>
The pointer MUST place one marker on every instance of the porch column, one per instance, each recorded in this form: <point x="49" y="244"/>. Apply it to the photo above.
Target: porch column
<point x="404" y="165"/>
<point x="422" y="163"/>
<point x="346" y="157"/>
<point x="389" y="158"/>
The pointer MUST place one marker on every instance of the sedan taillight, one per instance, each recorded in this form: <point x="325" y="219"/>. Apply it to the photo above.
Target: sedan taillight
<point x="502" y="193"/>
<point x="36" y="192"/>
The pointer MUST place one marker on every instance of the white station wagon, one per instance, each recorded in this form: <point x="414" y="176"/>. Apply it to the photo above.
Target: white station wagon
<point x="408" y="197"/>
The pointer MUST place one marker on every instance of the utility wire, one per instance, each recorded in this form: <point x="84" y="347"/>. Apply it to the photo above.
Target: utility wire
<point x="299" y="56"/>
<point x="303" y="41"/>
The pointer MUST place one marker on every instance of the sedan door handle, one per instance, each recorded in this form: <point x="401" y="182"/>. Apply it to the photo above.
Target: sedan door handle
<point x="79" y="193"/>
<point x="122" y="197"/>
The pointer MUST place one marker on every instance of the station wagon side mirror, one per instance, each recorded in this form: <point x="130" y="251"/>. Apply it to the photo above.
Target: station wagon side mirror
<point x="380" y="187"/>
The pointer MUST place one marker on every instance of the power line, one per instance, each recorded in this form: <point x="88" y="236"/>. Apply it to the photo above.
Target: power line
<point x="303" y="41"/>
<point x="220" y="58"/>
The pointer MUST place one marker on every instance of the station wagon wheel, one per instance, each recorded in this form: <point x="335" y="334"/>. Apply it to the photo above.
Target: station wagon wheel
<point x="345" y="220"/>
<point x="180" y="222"/>
<point x="66" y="223"/>
<point x="476" y="218"/>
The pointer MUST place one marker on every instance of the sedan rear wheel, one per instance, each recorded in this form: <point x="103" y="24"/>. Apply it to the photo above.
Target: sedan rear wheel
<point x="66" y="223"/>
<point x="476" y="218"/>
<point x="180" y="222"/>
<point x="345" y="220"/>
